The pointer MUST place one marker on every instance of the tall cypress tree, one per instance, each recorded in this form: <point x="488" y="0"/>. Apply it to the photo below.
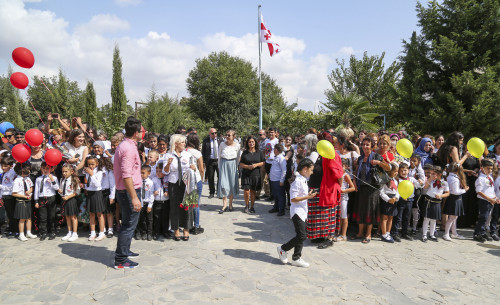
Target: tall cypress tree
<point x="118" y="98"/>
<point x="90" y="104"/>
<point x="12" y="103"/>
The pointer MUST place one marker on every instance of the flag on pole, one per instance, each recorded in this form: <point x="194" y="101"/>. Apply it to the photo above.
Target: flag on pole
<point x="266" y="37"/>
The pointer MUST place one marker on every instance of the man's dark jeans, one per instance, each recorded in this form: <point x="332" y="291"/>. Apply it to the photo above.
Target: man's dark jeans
<point x="130" y="218"/>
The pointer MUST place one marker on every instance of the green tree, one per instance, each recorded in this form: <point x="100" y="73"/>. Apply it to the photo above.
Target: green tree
<point x="352" y="110"/>
<point x="90" y="105"/>
<point x="451" y="70"/>
<point x="12" y="102"/>
<point x="118" y="98"/>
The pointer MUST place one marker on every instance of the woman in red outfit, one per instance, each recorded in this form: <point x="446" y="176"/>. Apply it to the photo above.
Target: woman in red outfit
<point x="329" y="196"/>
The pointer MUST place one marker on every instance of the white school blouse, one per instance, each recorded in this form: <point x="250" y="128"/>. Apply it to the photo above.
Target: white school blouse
<point x="160" y="185"/>
<point x="299" y="188"/>
<point x="173" y="174"/>
<point x="69" y="188"/>
<point x="8" y="182"/>
<point x="433" y="191"/>
<point x="497" y="187"/>
<point x="95" y="181"/>
<point x="454" y="184"/>
<point x="386" y="191"/>
<point x="148" y="195"/>
<point x="485" y="185"/>
<point x="18" y="186"/>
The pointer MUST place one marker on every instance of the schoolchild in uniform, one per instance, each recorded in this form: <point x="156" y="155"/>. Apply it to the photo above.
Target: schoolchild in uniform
<point x="417" y="172"/>
<point x="161" y="202"/>
<point x="347" y="186"/>
<point x="95" y="201"/>
<point x="145" y="225"/>
<point x="454" y="207"/>
<point x="436" y="189"/>
<point x="402" y="220"/>
<point x="388" y="205"/>
<point x="69" y="190"/>
<point x="299" y="194"/>
<point x="9" y="201"/>
<point x="46" y="187"/>
<point x="496" y="210"/>
<point x="22" y="190"/>
<point x="487" y="199"/>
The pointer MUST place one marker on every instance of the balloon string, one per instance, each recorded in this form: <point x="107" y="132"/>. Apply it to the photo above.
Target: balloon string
<point x="29" y="100"/>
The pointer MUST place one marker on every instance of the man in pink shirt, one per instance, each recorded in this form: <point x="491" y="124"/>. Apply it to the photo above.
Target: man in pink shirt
<point x="127" y="170"/>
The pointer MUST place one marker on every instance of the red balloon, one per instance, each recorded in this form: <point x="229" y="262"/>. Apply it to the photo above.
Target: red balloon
<point x="34" y="137"/>
<point x="21" y="152"/>
<point x="53" y="157"/>
<point x="23" y="57"/>
<point x="19" y="80"/>
<point x="143" y="132"/>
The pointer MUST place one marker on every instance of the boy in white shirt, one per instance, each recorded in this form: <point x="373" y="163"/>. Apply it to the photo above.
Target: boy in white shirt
<point x="145" y="225"/>
<point x="9" y="201"/>
<point x="487" y="199"/>
<point x="161" y="202"/>
<point x="299" y="194"/>
<point x="46" y="187"/>
<point x="277" y="180"/>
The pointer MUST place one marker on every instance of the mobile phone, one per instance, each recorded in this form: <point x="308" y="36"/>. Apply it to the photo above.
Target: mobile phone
<point x="77" y="156"/>
<point x="55" y="115"/>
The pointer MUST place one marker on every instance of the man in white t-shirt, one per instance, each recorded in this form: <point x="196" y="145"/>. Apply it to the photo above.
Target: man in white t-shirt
<point x="269" y="154"/>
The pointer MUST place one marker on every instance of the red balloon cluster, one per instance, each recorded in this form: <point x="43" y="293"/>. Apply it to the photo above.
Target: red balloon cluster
<point x="34" y="137"/>
<point x="25" y="59"/>
<point x="53" y="157"/>
<point x="21" y="152"/>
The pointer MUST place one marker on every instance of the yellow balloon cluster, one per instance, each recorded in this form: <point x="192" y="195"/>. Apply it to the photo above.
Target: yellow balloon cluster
<point x="405" y="189"/>
<point x="325" y="149"/>
<point x="404" y="148"/>
<point x="476" y="147"/>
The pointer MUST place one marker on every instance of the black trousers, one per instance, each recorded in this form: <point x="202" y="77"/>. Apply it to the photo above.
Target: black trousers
<point x="165" y="217"/>
<point x="484" y="211"/>
<point x="47" y="213"/>
<point x="9" y="203"/>
<point x="401" y="221"/>
<point x="212" y="168"/>
<point x="495" y="214"/>
<point x="268" y="170"/>
<point x="158" y="223"/>
<point x="178" y="216"/>
<point x="298" y="241"/>
<point x="145" y="220"/>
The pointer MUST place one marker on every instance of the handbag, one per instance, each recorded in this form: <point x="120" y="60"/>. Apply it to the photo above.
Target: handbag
<point x="379" y="176"/>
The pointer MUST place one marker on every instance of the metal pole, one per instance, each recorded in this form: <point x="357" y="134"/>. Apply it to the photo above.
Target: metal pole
<point x="260" y="76"/>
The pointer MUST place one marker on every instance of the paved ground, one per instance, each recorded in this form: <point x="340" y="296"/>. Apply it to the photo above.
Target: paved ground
<point x="235" y="262"/>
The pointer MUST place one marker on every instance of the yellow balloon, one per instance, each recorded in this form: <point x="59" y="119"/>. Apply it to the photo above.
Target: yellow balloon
<point x="404" y="148"/>
<point x="325" y="149"/>
<point x="476" y="147"/>
<point x="405" y="189"/>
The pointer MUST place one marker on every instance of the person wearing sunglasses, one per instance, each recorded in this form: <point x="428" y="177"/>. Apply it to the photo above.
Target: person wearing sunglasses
<point x="10" y="136"/>
<point x="229" y="158"/>
<point x="209" y="151"/>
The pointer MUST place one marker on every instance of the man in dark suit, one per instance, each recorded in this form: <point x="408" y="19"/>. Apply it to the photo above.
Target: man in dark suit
<point x="210" y="153"/>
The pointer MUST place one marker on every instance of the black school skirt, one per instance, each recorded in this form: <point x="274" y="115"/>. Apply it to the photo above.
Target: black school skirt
<point x="22" y="209"/>
<point x="95" y="202"/>
<point x="70" y="207"/>
<point x="454" y="206"/>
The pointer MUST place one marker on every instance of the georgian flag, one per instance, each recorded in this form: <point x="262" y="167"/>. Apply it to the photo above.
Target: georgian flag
<point x="266" y="37"/>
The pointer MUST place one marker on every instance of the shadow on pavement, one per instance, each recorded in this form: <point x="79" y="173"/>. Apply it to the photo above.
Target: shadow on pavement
<point x="88" y="252"/>
<point x="254" y="255"/>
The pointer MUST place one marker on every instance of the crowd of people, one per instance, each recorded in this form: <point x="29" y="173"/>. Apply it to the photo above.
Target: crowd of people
<point x="358" y="186"/>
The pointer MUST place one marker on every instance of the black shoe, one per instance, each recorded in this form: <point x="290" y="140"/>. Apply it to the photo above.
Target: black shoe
<point x="137" y="236"/>
<point x="185" y="238"/>
<point x="144" y="236"/>
<point x="192" y="231"/>
<point x="326" y="244"/>
<point x="133" y="254"/>
<point x="252" y="210"/>
<point x="199" y="230"/>
<point x="495" y="237"/>
<point x="257" y="197"/>
<point x="485" y="236"/>
<point x="149" y="237"/>
<point x="407" y="237"/>
<point x="167" y="235"/>
<point x="230" y="209"/>
<point x="270" y="199"/>
<point x="479" y="238"/>
<point x="43" y="237"/>
<point x="273" y="210"/>
<point x="396" y="238"/>
<point x="155" y="236"/>
<point x="281" y="213"/>
<point x="177" y="238"/>
<point x="52" y="236"/>
<point x="223" y="210"/>
<point x="210" y="196"/>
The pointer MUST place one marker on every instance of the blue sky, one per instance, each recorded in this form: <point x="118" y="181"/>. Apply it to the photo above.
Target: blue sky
<point x="160" y="40"/>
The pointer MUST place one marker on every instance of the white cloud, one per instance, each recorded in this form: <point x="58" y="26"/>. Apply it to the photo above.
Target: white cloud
<point x="85" y="54"/>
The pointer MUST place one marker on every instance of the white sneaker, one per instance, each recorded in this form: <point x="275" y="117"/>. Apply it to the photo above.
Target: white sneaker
<point x="66" y="237"/>
<point x="300" y="263"/>
<point x="458" y="236"/>
<point x="22" y="237"/>
<point x="100" y="237"/>
<point x="282" y="255"/>
<point x="73" y="237"/>
<point x="92" y="237"/>
<point x="30" y="235"/>
<point x="446" y="237"/>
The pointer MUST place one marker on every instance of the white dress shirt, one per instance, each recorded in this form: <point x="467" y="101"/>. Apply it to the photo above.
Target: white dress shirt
<point x="160" y="185"/>
<point x="387" y="193"/>
<point x="299" y="188"/>
<point x="49" y="187"/>
<point x="18" y="185"/>
<point x="108" y="182"/>
<point x="69" y="187"/>
<point x="173" y="174"/>
<point x="433" y="191"/>
<point x="454" y="184"/>
<point x="497" y="187"/>
<point x="278" y="169"/>
<point x="8" y="182"/>
<point x="485" y="185"/>
<point x="147" y="195"/>
<point x="94" y="182"/>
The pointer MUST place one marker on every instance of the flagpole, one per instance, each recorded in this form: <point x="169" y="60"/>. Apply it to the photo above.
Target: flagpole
<point x="260" y="74"/>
